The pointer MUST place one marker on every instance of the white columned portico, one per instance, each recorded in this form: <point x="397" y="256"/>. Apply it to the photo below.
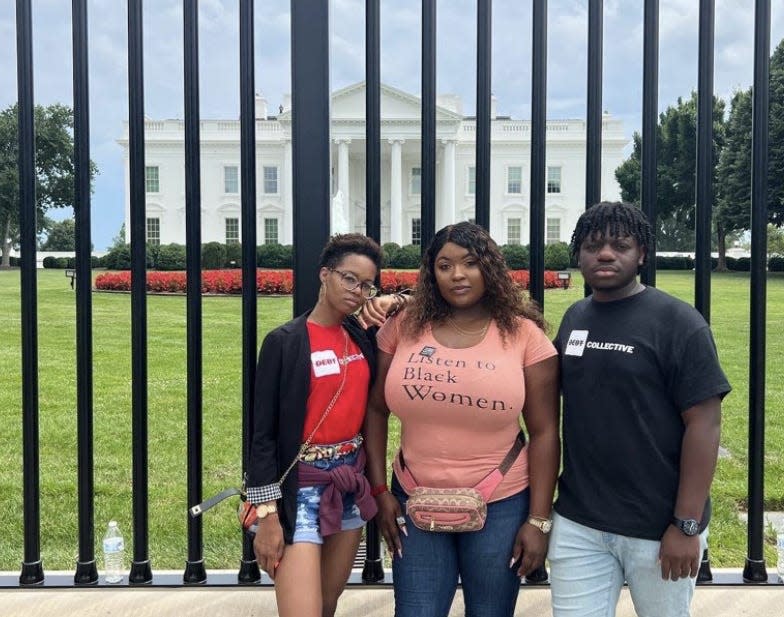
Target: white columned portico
<point x="446" y="213"/>
<point x="343" y="173"/>
<point x="395" y="193"/>
<point x="288" y="192"/>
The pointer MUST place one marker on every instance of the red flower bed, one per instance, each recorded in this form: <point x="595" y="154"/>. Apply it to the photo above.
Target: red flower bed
<point x="272" y="281"/>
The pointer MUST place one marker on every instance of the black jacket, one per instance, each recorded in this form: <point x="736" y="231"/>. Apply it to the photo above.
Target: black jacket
<point x="281" y="394"/>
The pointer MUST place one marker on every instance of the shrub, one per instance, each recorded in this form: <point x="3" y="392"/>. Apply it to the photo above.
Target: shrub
<point x="407" y="258"/>
<point x="233" y="254"/>
<point x="275" y="256"/>
<point x="732" y="263"/>
<point x="213" y="255"/>
<point x="517" y="256"/>
<point x="171" y="257"/>
<point x="743" y="264"/>
<point x="775" y="263"/>
<point x="389" y="250"/>
<point x="50" y="261"/>
<point x="674" y="263"/>
<point x="556" y="256"/>
<point x="118" y="258"/>
<point x="398" y="280"/>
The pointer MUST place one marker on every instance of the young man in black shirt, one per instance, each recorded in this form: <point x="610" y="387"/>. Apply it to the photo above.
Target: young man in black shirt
<point x="642" y="390"/>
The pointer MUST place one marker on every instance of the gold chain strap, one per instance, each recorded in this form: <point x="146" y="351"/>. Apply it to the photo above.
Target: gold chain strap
<point x="306" y="445"/>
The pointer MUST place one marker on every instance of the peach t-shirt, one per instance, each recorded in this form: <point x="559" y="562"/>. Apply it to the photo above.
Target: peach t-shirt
<point x="460" y="409"/>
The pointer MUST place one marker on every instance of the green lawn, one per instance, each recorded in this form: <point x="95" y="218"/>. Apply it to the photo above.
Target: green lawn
<point x="222" y="410"/>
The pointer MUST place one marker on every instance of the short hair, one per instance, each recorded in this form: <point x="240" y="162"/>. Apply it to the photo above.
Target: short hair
<point x="503" y="298"/>
<point x="341" y="245"/>
<point x="616" y="217"/>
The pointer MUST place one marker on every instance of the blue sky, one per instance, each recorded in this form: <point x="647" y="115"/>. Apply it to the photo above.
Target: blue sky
<point x="400" y="61"/>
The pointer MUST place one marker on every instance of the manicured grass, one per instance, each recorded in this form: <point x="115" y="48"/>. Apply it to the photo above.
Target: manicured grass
<point x="221" y="428"/>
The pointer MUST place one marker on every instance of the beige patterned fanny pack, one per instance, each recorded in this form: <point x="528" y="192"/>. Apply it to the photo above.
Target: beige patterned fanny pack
<point x="453" y="509"/>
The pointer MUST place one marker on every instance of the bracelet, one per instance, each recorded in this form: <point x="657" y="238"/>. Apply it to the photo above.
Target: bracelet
<point x="379" y="490"/>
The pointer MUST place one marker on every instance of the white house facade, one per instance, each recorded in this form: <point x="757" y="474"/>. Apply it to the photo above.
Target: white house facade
<point x="400" y="172"/>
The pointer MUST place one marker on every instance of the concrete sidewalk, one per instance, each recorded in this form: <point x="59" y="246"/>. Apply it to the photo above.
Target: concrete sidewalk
<point x="724" y="601"/>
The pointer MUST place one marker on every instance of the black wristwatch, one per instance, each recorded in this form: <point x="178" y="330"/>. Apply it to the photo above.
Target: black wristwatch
<point x="688" y="526"/>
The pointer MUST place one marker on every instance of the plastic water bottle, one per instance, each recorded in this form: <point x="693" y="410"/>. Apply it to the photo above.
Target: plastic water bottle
<point x="113" y="553"/>
<point x="780" y="551"/>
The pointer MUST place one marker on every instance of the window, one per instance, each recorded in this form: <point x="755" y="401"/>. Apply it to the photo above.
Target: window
<point x="232" y="231"/>
<point x="231" y="179"/>
<point x="553" y="230"/>
<point x="416" y="181"/>
<point x="271" y="181"/>
<point x="416" y="231"/>
<point x="514" y="180"/>
<point x="513" y="230"/>
<point x="152" y="183"/>
<point x="472" y="180"/>
<point x="154" y="230"/>
<point x="271" y="230"/>
<point x="553" y="179"/>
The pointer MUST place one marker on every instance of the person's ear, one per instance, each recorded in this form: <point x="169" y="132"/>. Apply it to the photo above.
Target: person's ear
<point x="323" y="273"/>
<point x="643" y="253"/>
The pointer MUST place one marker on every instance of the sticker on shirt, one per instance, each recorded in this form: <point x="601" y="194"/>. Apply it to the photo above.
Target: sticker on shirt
<point x="576" y="343"/>
<point x="427" y="351"/>
<point x="325" y="363"/>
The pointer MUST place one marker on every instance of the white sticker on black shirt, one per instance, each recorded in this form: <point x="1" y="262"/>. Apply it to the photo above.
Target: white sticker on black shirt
<point x="325" y="363"/>
<point x="576" y="343"/>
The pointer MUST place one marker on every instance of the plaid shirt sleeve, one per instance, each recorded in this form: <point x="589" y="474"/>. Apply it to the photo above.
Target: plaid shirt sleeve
<point x="261" y="494"/>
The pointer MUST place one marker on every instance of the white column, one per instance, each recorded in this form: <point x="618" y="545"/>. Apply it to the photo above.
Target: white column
<point x="446" y="213"/>
<point x="395" y="193"/>
<point x="287" y="223"/>
<point x="343" y="178"/>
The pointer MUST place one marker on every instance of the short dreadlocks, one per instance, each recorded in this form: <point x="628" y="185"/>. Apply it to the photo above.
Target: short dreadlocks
<point x="617" y="218"/>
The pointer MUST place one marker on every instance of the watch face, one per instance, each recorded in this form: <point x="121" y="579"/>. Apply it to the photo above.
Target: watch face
<point x="546" y="526"/>
<point x="690" y="527"/>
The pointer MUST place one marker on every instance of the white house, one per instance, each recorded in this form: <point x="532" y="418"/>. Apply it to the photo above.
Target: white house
<point x="400" y="171"/>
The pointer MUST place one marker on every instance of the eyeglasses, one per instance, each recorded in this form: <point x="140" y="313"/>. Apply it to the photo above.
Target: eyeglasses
<point x="349" y="282"/>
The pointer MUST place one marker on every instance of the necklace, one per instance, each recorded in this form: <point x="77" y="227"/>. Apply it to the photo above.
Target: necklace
<point x="480" y="332"/>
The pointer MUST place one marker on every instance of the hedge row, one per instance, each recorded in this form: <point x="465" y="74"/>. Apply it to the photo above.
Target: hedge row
<point x="268" y="281"/>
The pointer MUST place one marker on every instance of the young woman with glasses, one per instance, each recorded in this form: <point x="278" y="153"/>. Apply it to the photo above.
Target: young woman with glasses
<point x="306" y="471"/>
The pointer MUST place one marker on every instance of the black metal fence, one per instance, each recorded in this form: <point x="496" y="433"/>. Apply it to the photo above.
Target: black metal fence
<point x="311" y="191"/>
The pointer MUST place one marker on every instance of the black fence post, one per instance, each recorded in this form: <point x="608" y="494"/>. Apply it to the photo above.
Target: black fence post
<point x="650" y="115"/>
<point x="249" y="570"/>
<point x="32" y="568"/>
<point x="484" y="25"/>
<point x="194" y="566"/>
<point x="141" y="570"/>
<point x="754" y="569"/>
<point x="86" y="569"/>
<point x="428" y="145"/>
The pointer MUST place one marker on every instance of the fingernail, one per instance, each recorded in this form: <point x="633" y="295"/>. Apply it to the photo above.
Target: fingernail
<point x="400" y="553"/>
<point x="511" y="562"/>
<point x="404" y="530"/>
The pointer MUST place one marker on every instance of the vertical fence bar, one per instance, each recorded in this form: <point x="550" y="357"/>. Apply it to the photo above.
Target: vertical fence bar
<point x="650" y="112"/>
<point x="310" y="143"/>
<point x="593" y="146"/>
<point x="484" y="21"/>
<point x="538" y="147"/>
<point x="86" y="570"/>
<point x="32" y="568"/>
<point x="704" y="192"/>
<point x="754" y="569"/>
<point x="373" y="570"/>
<point x="428" y="201"/>
<point x="373" y="120"/>
<point x="141" y="570"/>
<point x="194" y="566"/>
<point x="249" y="569"/>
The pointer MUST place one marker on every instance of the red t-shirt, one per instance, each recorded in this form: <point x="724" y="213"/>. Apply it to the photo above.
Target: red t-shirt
<point x="329" y="357"/>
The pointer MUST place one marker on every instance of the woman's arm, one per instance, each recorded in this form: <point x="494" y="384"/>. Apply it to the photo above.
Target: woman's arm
<point x="541" y="416"/>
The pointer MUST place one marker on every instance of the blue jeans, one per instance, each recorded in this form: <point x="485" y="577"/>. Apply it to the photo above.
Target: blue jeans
<point x="425" y="579"/>
<point x="588" y="568"/>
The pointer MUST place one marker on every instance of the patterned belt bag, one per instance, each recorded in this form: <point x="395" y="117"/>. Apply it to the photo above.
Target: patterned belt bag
<point x="454" y="509"/>
<point x="321" y="452"/>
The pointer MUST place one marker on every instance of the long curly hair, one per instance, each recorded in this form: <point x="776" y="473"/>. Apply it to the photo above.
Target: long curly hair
<point x="503" y="298"/>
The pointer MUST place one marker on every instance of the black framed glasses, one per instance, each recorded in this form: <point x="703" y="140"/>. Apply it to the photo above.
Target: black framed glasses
<point x="349" y="282"/>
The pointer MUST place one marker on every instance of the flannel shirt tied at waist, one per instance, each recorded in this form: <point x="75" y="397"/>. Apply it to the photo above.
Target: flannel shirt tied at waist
<point x="339" y="481"/>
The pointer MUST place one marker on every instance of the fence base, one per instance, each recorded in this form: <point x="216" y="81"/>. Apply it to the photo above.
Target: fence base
<point x="195" y="574"/>
<point x="86" y="573"/>
<point x="141" y="573"/>
<point x="754" y="571"/>
<point x="32" y="573"/>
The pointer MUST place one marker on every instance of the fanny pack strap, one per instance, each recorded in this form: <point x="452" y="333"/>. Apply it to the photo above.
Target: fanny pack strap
<point x="486" y="486"/>
<point x="214" y="500"/>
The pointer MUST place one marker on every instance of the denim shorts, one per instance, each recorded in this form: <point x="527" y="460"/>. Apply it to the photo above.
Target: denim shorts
<point x="307" y="527"/>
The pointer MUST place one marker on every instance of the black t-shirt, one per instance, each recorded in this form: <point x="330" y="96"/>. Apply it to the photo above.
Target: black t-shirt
<point x="629" y="368"/>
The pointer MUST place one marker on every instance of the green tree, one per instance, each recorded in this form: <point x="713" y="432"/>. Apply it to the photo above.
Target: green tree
<point x="676" y="151"/>
<point x="54" y="167"/>
<point x="60" y="236"/>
